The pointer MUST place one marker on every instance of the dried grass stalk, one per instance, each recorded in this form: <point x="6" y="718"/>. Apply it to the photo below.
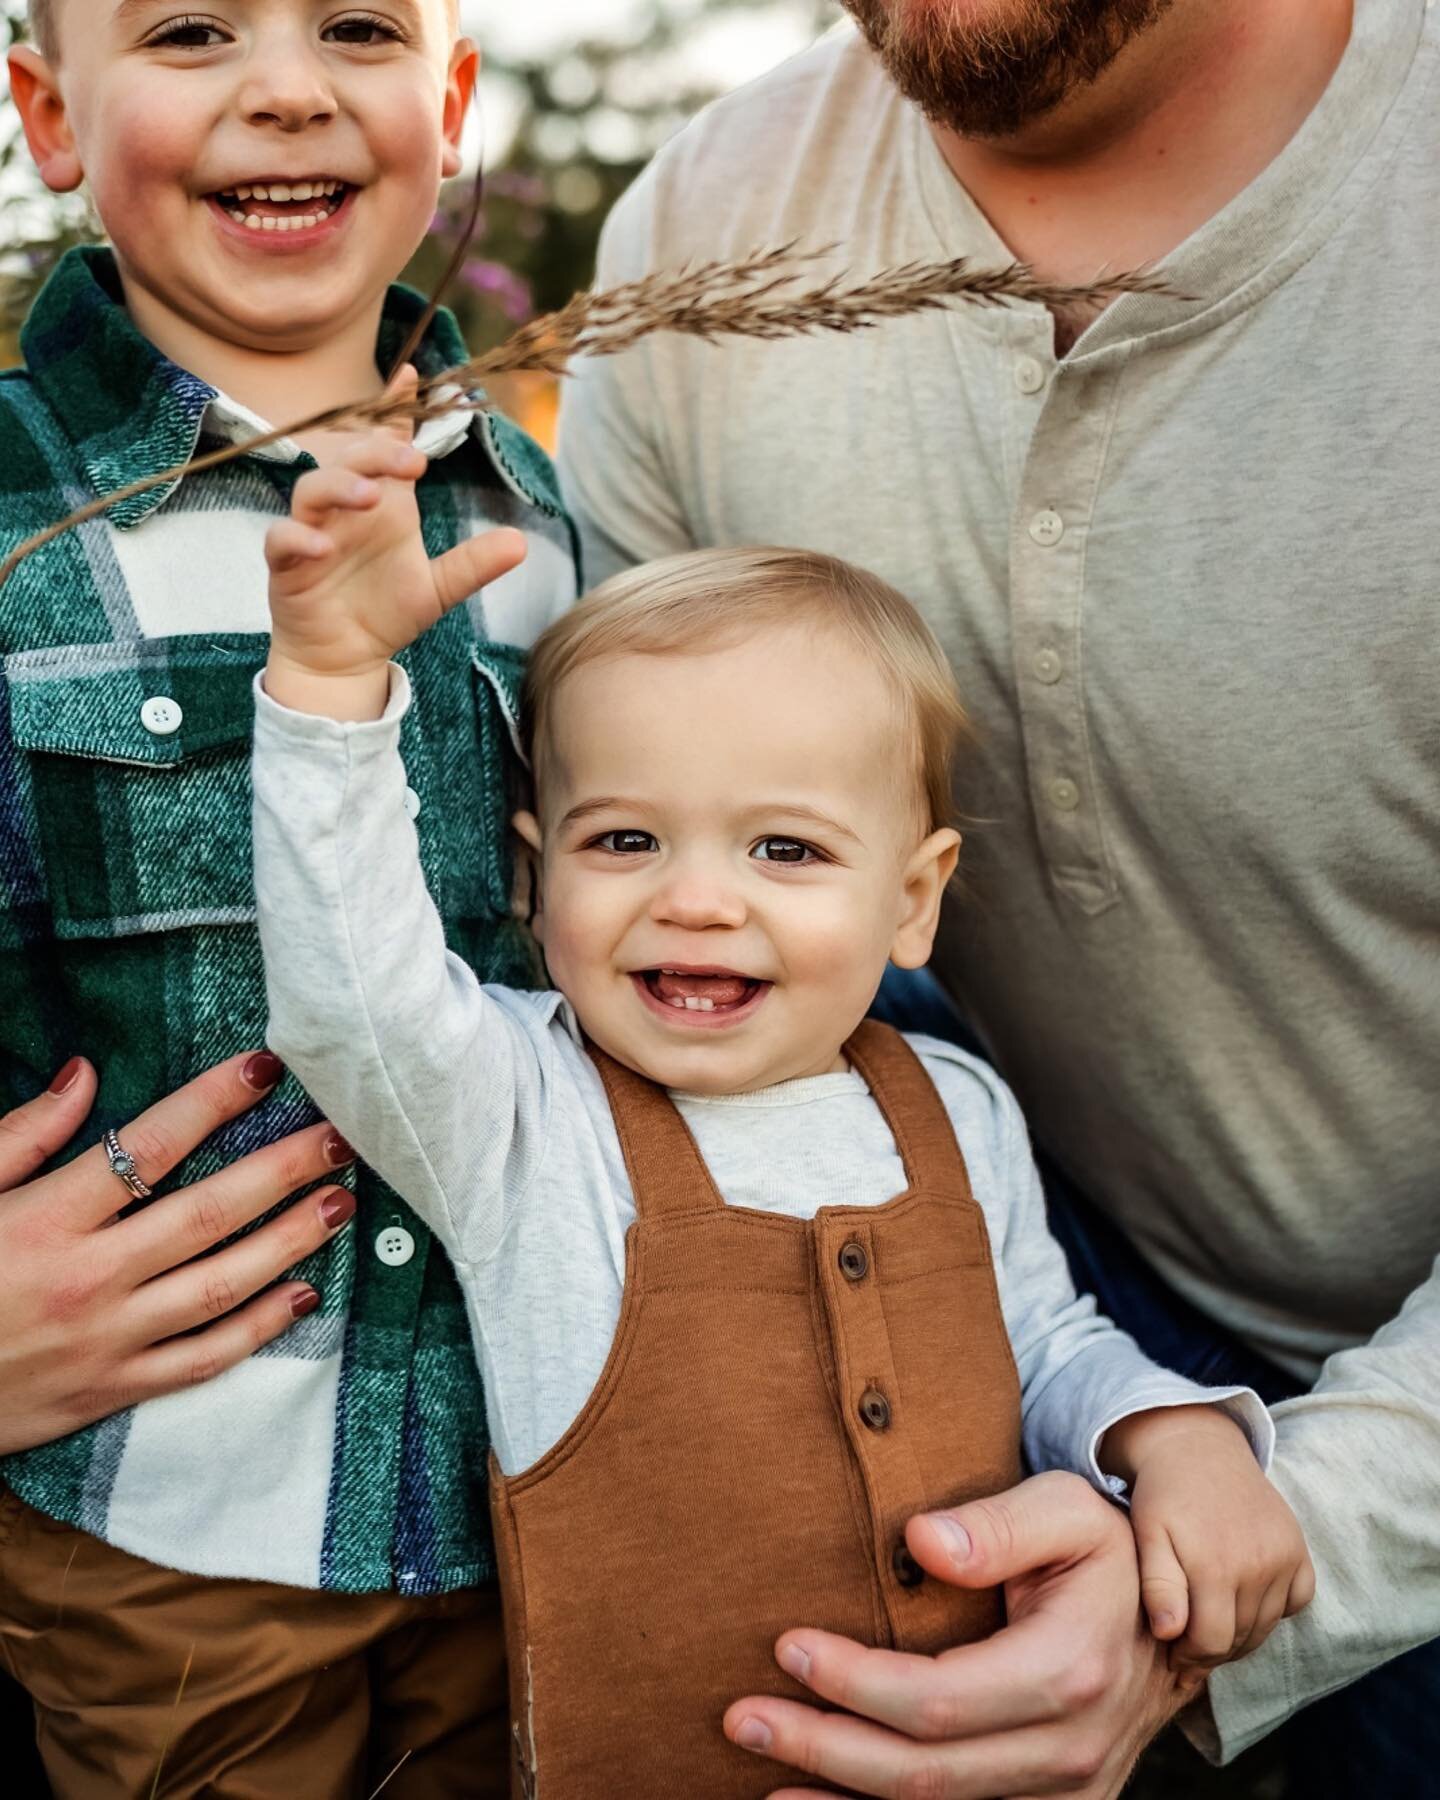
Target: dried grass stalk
<point x="757" y="297"/>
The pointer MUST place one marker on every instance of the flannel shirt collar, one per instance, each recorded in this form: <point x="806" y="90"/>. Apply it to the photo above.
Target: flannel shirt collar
<point x="130" y="412"/>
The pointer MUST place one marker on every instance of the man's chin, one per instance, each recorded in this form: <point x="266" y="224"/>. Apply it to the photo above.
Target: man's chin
<point x="988" y="68"/>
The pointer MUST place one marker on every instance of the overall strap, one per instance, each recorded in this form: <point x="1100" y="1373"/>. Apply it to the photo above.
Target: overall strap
<point x="913" y="1109"/>
<point x="667" y="1172"/>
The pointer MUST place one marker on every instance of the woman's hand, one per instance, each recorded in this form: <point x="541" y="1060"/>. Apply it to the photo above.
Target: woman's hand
<point x="92" y="1307"/>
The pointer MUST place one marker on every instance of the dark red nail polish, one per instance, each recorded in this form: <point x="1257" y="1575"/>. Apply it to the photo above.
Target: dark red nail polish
<point x="303" y="1303"/>
<point x="262" y="1071"/>
<point x="338" y="1150"/>
<point x="66" y="1078"/>
<point x="337" y="1209"/>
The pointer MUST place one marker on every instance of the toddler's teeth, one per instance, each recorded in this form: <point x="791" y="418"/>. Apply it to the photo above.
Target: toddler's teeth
<point x="280" y="191"/>
<point x="269" y="222"/>
<point x="253" y="221"/>
<point x="302" y="190"/>
<point x="706" y="1004"/>
<point x="677" y="1003"/>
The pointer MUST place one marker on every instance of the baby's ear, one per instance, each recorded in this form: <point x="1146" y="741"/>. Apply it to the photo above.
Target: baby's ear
<point x="528" y="887"/>
<point x="927" y="874"/>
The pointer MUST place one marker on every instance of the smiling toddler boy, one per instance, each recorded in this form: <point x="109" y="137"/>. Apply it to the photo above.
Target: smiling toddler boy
<point x="303" y="1543"/>
<point x="751" y="1282"/>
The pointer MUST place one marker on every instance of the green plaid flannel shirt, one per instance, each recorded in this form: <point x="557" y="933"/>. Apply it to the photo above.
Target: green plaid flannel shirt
<point x="350" y="1455"/>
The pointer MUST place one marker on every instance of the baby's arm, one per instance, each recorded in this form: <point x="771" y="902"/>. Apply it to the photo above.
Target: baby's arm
<point x="350" y="580"/>
<point x="439" y="1084"/>
<point x="1221" y="1556"/>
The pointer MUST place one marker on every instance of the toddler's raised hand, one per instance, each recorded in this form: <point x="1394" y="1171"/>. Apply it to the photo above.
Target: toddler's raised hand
<point x="1222" y="1557"/>
<point x="350" y="580"/>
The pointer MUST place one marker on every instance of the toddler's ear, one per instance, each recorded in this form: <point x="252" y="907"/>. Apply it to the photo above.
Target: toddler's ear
<point x="41" y="106"/>
<point x="926" y="876"/>
<point x="459" y="91"/>
<point x="527" y="873"/>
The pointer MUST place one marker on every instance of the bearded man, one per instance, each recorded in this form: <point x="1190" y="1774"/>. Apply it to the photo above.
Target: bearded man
<point x="1182" y="552"/>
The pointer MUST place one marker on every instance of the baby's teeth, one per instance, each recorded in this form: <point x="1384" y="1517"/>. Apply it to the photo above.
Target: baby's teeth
<point x="242" y="193"/>
<point x="280" y="191"/>
<point x="302" y="190"/>
<point x="269" y="223"/>
<point x="676" y="1002"/>
<point x="253" y="221"/>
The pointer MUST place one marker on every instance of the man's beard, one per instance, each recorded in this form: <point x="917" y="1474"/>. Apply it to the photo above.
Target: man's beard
<point x="988" y="75"/>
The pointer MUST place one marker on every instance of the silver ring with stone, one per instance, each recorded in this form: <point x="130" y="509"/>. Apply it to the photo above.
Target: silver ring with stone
<point x="122" y="1163"/>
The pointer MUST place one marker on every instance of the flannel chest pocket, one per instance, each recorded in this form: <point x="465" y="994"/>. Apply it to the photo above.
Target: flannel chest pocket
<point x="138" y="762"/>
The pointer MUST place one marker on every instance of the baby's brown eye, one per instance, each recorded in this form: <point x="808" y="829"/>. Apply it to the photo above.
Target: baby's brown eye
<point x="782" y="850"/>
<point x="626" y="843"/>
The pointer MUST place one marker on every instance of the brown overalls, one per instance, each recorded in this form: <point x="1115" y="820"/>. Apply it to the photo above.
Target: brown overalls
<point x="781" y="1396"/>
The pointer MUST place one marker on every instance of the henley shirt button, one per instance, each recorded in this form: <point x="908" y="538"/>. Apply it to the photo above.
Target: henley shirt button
<point x="412" y="804"/>
<point x="1047" y="528"/>
<point x="1029" y="375"/>
<point x="395" y="1246"/>
<point x="1065" y="794"/>
<point x="854" y="1262"/>
<point x="162" y="717"/>
<point x="875" y="1410"/>
<point x="1048" y="666"/>
<point x="907" y="1571"/>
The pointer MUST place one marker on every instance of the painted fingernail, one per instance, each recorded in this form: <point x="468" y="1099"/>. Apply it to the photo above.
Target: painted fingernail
<point x="66" y="1078"/>
<point x="262" y="1071"/>
<point x="338" y="1150"/>
<point x="337" y="1209"/>
<point x="953" y="1536"/>
<point x="303" y="1303"/>
<point x="753" y="1734"/>
<point x="795" y="1661"/>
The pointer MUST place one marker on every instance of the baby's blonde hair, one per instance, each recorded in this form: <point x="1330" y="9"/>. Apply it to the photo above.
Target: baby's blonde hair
<point x="710" y="598"/>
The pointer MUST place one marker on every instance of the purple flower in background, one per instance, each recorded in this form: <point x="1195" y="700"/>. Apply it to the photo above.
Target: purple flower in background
<point x="511" y="292"/>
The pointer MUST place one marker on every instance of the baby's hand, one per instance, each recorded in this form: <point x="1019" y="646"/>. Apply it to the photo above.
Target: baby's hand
<point x="350" y="580"/>
<point x="1222" y="1557"/>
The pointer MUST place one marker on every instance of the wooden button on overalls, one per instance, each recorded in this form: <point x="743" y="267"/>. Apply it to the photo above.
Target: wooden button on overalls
<point x="781" y="1396"/>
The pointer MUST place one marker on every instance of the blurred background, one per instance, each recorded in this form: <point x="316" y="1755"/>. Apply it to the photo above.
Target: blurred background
<point x="575" y="96"/>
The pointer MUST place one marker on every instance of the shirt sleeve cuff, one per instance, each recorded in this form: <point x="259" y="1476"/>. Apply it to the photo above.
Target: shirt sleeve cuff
<point x="1243" y="1405"/>
<point x="314" y="725"/>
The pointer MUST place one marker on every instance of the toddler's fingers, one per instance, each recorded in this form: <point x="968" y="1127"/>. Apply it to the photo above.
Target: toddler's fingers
<point x="479" y="560"/>
<point x="1164" y="1591"/>
<point x="288" y="545"/>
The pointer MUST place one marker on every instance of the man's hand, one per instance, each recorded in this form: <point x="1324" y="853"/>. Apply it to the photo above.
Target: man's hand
<point x="92" y="1307"/>
<point x="351" y="582"/>
<point x="1060" y="1701"/>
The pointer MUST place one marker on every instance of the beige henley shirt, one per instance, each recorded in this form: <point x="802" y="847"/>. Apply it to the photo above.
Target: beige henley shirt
<point x="1188" y="580"/>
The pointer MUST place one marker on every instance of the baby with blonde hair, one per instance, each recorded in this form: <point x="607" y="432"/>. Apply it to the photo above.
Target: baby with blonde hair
<point x="753" y="1282"/>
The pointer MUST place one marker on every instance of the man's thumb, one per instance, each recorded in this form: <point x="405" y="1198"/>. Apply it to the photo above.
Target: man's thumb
<point x="1048" y="1519"/>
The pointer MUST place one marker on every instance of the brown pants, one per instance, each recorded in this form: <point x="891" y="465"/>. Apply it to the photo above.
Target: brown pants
<point x="241" y="1690"/>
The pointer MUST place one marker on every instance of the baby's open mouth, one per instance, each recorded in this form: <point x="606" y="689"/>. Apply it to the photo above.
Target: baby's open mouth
<point x="690" y="990"/>
<point x="283" y="205"/>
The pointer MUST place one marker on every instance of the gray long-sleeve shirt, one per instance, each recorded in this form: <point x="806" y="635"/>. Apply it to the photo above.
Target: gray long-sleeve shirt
<point x="481" y="1106"/>
<point x="1187" y="578"/>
